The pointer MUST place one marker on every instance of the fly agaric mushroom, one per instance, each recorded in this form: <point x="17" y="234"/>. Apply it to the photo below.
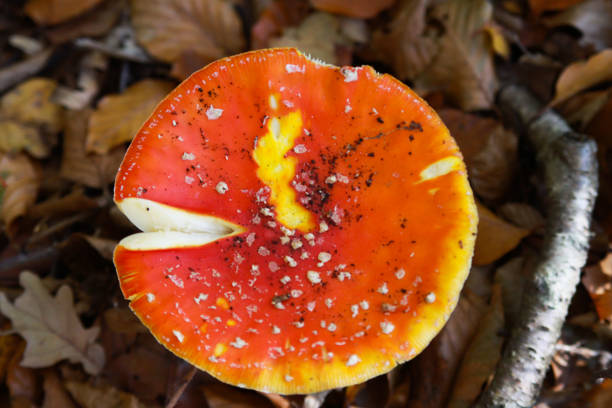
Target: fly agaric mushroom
<point x="305" y="226"/>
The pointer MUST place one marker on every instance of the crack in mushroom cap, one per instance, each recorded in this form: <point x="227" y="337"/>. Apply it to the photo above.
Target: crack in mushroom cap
<point x="292" y="244"/>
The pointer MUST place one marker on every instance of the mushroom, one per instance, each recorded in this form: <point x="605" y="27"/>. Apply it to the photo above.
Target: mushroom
<point x="304" y="226"/>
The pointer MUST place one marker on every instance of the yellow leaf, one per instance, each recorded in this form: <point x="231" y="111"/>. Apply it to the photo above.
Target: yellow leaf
<point x="583" y="74"/>
<point x="463" y="68"/>
<point x="49" y="12"/>
<point x="168" y="28"/>
<point x="118" y="117"/>
<point x="495" y="237"/>
<point x="19" y="183"/>
<point x="51" y="327"/>
<point x="499" y="45"/>
<point x="15" y="137"/>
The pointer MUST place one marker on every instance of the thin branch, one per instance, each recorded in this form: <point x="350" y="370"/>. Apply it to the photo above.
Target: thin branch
<point x="569" y="168"/>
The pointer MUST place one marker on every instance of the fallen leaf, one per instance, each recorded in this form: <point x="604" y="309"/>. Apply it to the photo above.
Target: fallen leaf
<point x="600" y="396"/>
<point x="434" y="370"/>
<point x="15" y="73"/>
<point x="9" y="345"/>
<point x="29" y="119"/>
<point x="581" y="75"/>
<point x="498" y="42"/>
<point x="353" y="8"/>
<point x="540" y="6"/>
<point x="277" y="15"/>
<point x="90" y="396"/>
<point x="319" y="35"/>
<point x="403" y="42"/>
<point x="522" y="215"/>
<point x="92" y="170"/>
<point x="511" y="278"/>
<point x="579" y="110"/>
<point x="599" y="286"/>
<point x="606" y="265"/>
<point x="94" y="23"/>
<point x="463" y="67"/>
<point x="495" y="237"/>
<point x="118" y="117"/>
<point x="50" y="12"/>
<point x="224" y="396"/>
<point x="51" y="327"/>
<point x="56" y="395"/>
<point x="168" y="28"/>
<point x="490" y="151"/>
<point x="481" y="356"/>
<point x="19" y="182"/>
<point x="592" y="18"/>
<point x="21" y="381"/>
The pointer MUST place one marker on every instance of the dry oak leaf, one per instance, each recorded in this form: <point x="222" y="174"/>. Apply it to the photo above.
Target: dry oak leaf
<point x="495" y="238"/>
<point x="169" y="28"/>
<point x="119" y="116"/>
<point x="49" y="12"/>
<point x="19" y="182"/>
<point x="90" y="396"/>
<point x="29" y="119"/>
<point x="404" y="42"/>
<point x="51" y="327"/>
<point x="353" y="8"/>
<point x="463" y="67"/>
<point x="592" y="18"/>
<point x="583" y="74"/>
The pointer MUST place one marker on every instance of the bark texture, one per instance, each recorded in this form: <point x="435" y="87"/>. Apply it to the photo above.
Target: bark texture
<point x="569" y="167"/>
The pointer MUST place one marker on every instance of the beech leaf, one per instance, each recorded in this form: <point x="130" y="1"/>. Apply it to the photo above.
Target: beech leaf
<point x="90" y="396"/>
<point x="118" y="117"/>
<point x="404" y="42"/>
<point x="169" y="28"/>
<point x="463" y="67"/>
<point x="51" y="327"/>
<point x="495" y="238"/>
<point x="49" y="12"/>
<point x="353" y="8"/>
<point x="581" y="75"/>
<point x="19" y="182"/>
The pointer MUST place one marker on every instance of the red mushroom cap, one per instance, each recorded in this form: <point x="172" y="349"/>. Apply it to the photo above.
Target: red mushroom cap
<point x="306" y="226"/>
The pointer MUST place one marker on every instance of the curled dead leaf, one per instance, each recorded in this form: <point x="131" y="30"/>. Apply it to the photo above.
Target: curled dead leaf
<point x="353" y="8"/>
<point x="496" y="237"/>
<point x="168" y="28"/>
<point x="51" y="327"/>
<point x="19" y="182"/>
<point x="118" y="117"/>
<point x="463" y="67"/>
<point x="90" y="396"/>
<point x="50" y="12"/>
<point x="583" y="74"/>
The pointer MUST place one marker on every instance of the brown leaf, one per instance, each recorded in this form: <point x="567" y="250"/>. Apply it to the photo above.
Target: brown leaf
<point x="522" y="215"/>
<point x="49" y="12"/>
<point x="51" y="327"/>
<point x="19" y="182"/>
<point x="599" y="286"/>
<point x="511" y="279"/>
<point x="403" y="43"/>
<point x="353" y="8"/>
<point x="434" y="370"/>
<point x="9" y="346"/>
<point x="277" y="15"/>
<point x="495" y="237"/>
<point x="224" y="396"/>
<point x="580" y="109"/>
<point x="29" y="119"/>
<point x="92" y="170"/>
<point x="540" y="6"/>
<point x="463" y="68"/>
<point x="94" y="23"/>
<point x="118" y="117"/>
<point x="90" y="396"/>
<point x="56" y="395"/>
<point x="592" y="18"/>
<point x="488" y="148"/>
<point x="600" y="396"/>
<point x="21" y="381"/>
<point x="168" y="28"/>
<point x="319" y="35"/>
<point x="583" y="74"/>
<point x="482" y="355"/>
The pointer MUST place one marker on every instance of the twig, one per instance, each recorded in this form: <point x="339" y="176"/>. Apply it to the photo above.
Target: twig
<point x="181" y="389"/>
<point x="569" y="167"/>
